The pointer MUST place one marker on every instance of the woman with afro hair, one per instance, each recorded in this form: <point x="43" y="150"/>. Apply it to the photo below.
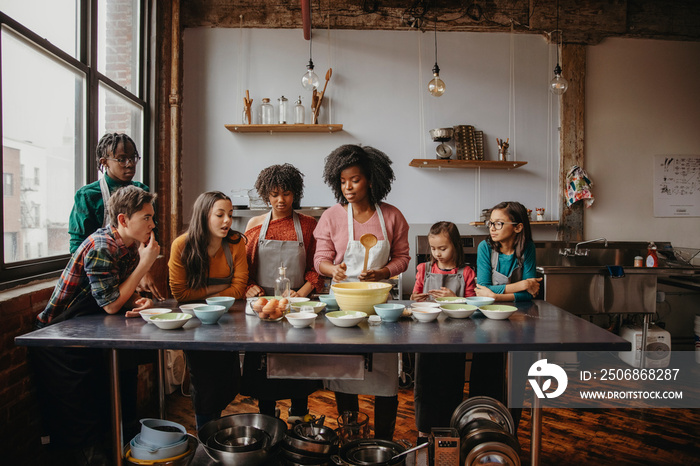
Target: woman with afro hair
<point x="280" y="237"/>
<point x="361" y="177"/>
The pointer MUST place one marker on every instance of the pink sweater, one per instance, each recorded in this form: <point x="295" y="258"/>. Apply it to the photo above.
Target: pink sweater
<point x="331" y="235"/>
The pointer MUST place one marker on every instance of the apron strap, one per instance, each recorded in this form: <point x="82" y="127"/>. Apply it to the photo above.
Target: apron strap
<point x="351" y="227"/>
<point x="105" y="197"/>
<point x="297" y="227"/>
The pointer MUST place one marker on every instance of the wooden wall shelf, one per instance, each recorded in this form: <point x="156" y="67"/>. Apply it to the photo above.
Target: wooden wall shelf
<point x="290" y="128"/>
<point x="451" y="163"/>
<point x="532" y="222"/>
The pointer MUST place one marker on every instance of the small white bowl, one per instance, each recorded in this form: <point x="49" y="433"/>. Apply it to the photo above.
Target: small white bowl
<point x="298" y="299"/>
<point x="426" y="315"/>
<point x="425" y="305"/>
<point x="458" y="311"/>
<point x="300" y="319"/>
<point x="171" y="320"/>
<point x="451" y="300"/>
<point x="346" y="318"/>
<point x="154" y="311"/>
<point x="479" y="301"/>
<point x="189" y="308"/>
<point x="498" y="311"/>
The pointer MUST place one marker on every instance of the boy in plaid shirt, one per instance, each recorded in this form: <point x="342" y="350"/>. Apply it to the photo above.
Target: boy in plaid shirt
<point x="101" y="276"/>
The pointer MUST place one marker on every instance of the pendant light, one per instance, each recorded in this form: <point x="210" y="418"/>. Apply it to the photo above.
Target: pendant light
<point x="310" y="79"/>
<point x="558" y="85"/>
<point x="436" y="86"/>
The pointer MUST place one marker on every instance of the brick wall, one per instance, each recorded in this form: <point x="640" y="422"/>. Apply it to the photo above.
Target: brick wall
<point x="20" y="424"/>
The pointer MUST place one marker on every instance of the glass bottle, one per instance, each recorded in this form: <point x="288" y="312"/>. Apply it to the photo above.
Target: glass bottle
<point x="282" y="285"/>
<point x="282" y="110"/>
<point x="299" y="112"/>
<point x="267" y="112"/>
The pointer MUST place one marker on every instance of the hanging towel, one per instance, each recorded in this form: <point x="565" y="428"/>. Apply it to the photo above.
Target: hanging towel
<point x="578" y="187"/>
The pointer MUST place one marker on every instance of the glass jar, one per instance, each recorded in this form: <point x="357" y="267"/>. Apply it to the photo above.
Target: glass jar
<point x="299" y="112"/>
<point x="282" y="284"/>
<point x="282" y="110"/>
<point x="266" y="112"/>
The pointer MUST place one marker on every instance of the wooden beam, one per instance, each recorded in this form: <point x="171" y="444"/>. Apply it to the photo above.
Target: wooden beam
<point x="571" y="134"/>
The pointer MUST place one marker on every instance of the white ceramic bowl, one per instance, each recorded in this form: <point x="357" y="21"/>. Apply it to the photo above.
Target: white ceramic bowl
<point x="298" y="299"/>
<point x="458" y="311"/>
<point x="300" y="319"/>
<point x="389" y="312"/>
<point x="171" y="320"/>
<point x="209" y="314"/>
<point x="346" y="318"/>
<point x="360" y="296"/>
<point x="426" y="315"/>
<point x="425" y="305"/>
<point x="498" y="311"/>
<point x="189" y="308"/>
<point x="479" y="301"/>
<point x="316" y="306"/>
<point x="226" y="301"/>
<point x="154" y="311"/>
<point x="451" y="300"/>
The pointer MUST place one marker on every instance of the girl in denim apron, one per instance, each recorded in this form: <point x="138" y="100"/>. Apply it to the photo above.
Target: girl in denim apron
<point x="439" y="378"/>
<point x="209" y="260"/>
<point x="281" y="237"/>
<point x="505" y="270"/>
<point x="360" y="178"/>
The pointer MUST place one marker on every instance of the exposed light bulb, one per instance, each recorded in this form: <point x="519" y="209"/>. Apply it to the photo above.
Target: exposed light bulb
<point x="558" y="85"/>
<point x="310" y="80"/>
<point x="436" y="86"/>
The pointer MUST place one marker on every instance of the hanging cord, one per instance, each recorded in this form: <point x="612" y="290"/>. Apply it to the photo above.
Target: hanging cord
<point x="329" y="101"/>
<point x="421" y="91"/>
<point x="511" y="94"/>
<point x="239" y="79"/>
<point x="550" y="135"/>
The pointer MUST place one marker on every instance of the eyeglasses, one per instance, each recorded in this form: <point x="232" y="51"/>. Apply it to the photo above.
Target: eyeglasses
<point x="124" y="161"/>
<point x="498" y="225"/>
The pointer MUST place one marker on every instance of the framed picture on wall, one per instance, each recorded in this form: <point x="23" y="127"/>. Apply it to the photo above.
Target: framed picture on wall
<point x="676" y="185"/>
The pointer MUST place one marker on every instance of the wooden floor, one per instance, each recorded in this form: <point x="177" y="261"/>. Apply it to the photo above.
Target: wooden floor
<point x="570" y="436"/>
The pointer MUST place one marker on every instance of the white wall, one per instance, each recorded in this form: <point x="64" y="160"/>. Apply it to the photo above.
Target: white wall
<point x="642" y="99"/>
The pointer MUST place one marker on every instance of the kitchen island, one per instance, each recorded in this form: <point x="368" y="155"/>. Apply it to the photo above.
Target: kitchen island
<point x="537" y="326"/>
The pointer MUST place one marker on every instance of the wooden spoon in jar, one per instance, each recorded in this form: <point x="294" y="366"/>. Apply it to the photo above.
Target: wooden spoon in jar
<point x="368" y="240"/>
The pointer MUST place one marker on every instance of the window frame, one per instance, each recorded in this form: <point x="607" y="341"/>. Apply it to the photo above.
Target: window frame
<point x="18" y="273"/>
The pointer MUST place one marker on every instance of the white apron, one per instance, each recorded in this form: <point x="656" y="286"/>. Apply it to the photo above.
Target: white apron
<point x="383" y="380"/>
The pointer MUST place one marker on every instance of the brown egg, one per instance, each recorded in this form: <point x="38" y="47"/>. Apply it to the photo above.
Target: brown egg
<point x="274" y="302"/>
<point x="283" y="302"/>
<point x="276" y="314"/>
<point x="260" y="302"/>
<point x="269" y="308"/>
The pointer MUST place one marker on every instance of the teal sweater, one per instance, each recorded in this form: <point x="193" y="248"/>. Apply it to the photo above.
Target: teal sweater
<point x="506" y="264"/>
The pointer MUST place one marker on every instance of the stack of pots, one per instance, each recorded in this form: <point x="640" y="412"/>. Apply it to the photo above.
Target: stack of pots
<point x="487" y="433"/>
<point x="242" y="439"/>
<point x="309" y="444"/>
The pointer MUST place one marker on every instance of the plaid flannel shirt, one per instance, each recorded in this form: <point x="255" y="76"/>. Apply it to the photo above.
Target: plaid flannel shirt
<point x="92" y="277"/>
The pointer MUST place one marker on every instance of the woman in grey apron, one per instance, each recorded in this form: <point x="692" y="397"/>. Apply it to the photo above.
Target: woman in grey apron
<point x="281" y="237"/>
<point x="360" y="178"/>
<point x="206" y="261"/>
<point x="505" y="271"/>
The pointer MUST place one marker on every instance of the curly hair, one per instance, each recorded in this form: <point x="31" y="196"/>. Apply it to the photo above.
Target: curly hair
<point x="286" y="177"/>
<point x="518" y="214"/>
<point x="194" y="255"/>
<point x="374" y="164"/>
<point x="108" y="145"/>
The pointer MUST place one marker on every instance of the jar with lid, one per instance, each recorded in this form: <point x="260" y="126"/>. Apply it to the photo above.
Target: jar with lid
<point x="299" y="112"/>
<point x="282" y="110"/>
<point x="267" y="112"/>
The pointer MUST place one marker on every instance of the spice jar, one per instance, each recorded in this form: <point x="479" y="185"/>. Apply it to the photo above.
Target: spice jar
<point x="638" y="261"/>
<point x="266" y="112"/>
<point x="299" y="112"/>
<point x="282" y="110"/>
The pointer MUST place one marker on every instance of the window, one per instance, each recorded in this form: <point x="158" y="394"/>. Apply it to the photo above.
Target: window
<point x="55" y="107"/>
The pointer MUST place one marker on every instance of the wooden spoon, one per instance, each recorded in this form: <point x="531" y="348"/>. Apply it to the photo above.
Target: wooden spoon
<point x="329" y="73"/>
<point x="368" y="240"/>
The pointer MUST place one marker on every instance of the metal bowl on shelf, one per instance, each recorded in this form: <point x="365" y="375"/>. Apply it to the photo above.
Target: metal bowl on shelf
<point x="442" y="134"/>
